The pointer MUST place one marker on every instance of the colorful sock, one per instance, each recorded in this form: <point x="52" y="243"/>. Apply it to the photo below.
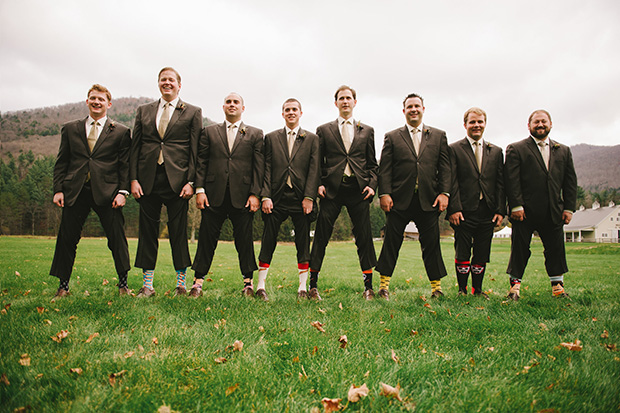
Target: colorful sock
<point x="181" y="274"/>
<point x="64" y="284"/>
<point x="247" y="279"/>
<point x="384" y="284"/>
<point x="122" y="280"/>
<point x="147" y="278"/>
<point x="302" y="268"/>
<point x="198" y="282"/>
<point x="462" y="274"/>
<point x="557" y="284"/>
<point x="367" y="274"/>
<point x="514" y="281"/>
<point x="314" y="279"/>
<point x="263" y="269"/>
<point x="477" y="275"/>
<point x="436" y="285"/>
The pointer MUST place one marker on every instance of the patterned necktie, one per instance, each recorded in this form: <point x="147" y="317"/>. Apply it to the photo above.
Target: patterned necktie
<point x="544" y="152"/>
<point x="230" y="134"/>
<point x="346" y="139"/>
<point x="92" y="135"/>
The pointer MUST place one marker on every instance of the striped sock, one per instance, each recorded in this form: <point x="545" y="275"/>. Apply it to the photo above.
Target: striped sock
<point x="384" y="284"/>
<point x="436" y="285"/>
<point x="367" y="274"/>
<point x="247" y="279"/>
<point x="514" y="281"/>
<point x="263" y="269"/>
<point x="302" y="268"/>
<point x="147" y="278"/>
<point x="181" y="274"/>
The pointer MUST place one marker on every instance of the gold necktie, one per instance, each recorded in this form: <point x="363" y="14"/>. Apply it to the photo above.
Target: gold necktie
<point x="544" y="152"/>
<point x="163" y="125"/>
<point x="291" y="142"/>
<point x="416" y="141"/>
<point x="92" y="136"/>
<point x="346" y="139"/>
<point x="478" y="153"/>
<point x="230" y="134"/>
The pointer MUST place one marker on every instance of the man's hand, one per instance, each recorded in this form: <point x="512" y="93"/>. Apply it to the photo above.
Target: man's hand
<point x="253" y="203"/>
<point x="322" y="191"/>
<point x="442" y="201"/>
<point x="307" y="205"/>
<point x="187" y="191"/>
<point x="267" y="206"/>
<point x="456" y="218"/>
<point x="59" y="199"/>
<point x="369" y="192"/>
<point x="497" y="218"/>
<point x="567" y="216"/>
<point x="119" y="201"/>
<point x="518" y="215"/>
<point x="386" y="203"/>
<point x="136" y="189"/>
<point x="201" y="201"/>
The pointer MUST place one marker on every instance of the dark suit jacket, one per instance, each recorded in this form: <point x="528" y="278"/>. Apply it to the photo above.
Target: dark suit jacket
<point x="468" y="181"/>
<point x="399" y="167"/>
<point x="241" y="169"/>
<point x="179" y="146"/>
<point x="334" y="157"/>
<point x="529" y="184"/>
<point x="303" y="166"/>
<point x="108" y="164"/>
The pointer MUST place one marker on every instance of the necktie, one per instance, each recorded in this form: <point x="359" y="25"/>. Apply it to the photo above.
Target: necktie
<point x="231" y="136"/>
<point x="416" y="141"/>
<point x="544" y="152"/>
<point x="92" y="135"/>
<point x="291" y="142"/>
<point x="478" y="153"/>
<point x="163" y="125"/>
<point x="346" y="139"/>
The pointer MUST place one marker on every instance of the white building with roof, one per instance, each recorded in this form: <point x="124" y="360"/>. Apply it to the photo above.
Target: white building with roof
<point x="599" y="224"/>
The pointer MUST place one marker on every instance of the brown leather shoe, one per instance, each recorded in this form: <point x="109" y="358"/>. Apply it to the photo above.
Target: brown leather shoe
<point x="385" y="294"/>
<point x="247" y="292"/>
<point x="180" y="291"/>
<point x="146" y="292"/>
<point x="515" y="292"/>
<point x="436" y="294"/>
<point x="481" y="294"/>
<point x="302" y="295"/>
<point x="195" y="292"/>
<point x="60" y="294"/>
<point x="314" y="294"/>
<point x="262" y="295"/>
<point x="462" y="293"/>
<point x="124" y="291"/>
<point x="369" y="295"/>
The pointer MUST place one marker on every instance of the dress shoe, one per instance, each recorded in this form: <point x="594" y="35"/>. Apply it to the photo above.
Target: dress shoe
<point x="247" y="292"/>
<point x="385" y="294"/>
<point x="482" y="295"/>
<point x="124" y="291"/>
<point x="146" y="292"/>
<point x="436" y="294"/>
<point x="515" y="292"/>
<point x="314" y="294"/>
<point x="302" y="295"/>
<point x="369" y="294"/>
<point x="262" y="295"/>
<point x="60" y="294"/>
<point x="462" y="293"/>
<point x="180" y="291"/>
<point x="195" y="292"/>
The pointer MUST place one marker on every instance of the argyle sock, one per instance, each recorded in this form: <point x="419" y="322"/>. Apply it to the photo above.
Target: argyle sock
<point x="557" y="284"/>
<point x="302" y="268"/>
<point x="181" y="274"/>
<point x="384" y="284"/>
<point x="247" y="279"/>
<point x="64" y="285"/>
<point x="122" y="280"/>
<point x="263" y="269"/>
<point x="147" y="278"/>
<point x="462" y="274"/>
<point x="436" y="285"/>
<point x="367" y="274"/>
<point x="314" y="279"/>
<point x="477" y="275"/>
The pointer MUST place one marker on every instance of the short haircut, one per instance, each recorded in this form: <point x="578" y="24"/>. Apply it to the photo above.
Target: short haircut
<point x="99" y="88"/>
<point x="345" y="87"/>
<point x="538" y="111"/>
<point x="236" y="94"/>
<point x="171" y="69"/>
<point x="290" y="100"/>
<point x="475" y="110"/>
<point x="413" y="95"/>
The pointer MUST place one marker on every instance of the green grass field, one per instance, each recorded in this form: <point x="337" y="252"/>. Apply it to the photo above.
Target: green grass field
<point x="455" y="354"/>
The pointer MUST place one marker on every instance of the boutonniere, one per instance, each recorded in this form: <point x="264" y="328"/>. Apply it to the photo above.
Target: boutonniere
<point x="242" y="131"/>
<point x="427" y="130"/>
<point x="555" y="146"/>
<point x="489" y="146"/>
<point x="182" y="106"/>
<point x="112" y="125"/>
<point x="301" y="135"/>
<point x="359" y="124"/>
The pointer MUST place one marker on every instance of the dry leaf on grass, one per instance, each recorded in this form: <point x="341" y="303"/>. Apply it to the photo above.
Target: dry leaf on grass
<point x="164" y="409"/>
<point x="114" y="376"/>
<point x="140" y="347"/>
<point x="238" y="345"/>
<point x="128" y="354"/>
<point x="340" y="305"/>
<point x="155" y="341"/>
<point x="105" y="282"/>
<point x="538" y="353"/>
<point x="611" y="347"/>
<point x="343" y="341"/>
<point x="395" y="357"/>
<point x="220" y="360"/>
<point x="574" y="346"/>
<point x="91" y="337"/>
<point x="232" y="389"/>
<point x="40" y="310"/>
<point x="322" y="311"/>
<point x="86" y="293"/>
<point x="47" y="321"/>
<point x="318" y="325"/>
<point x="60" y="336"/>
<point x="389" y="391"/>
<point x="331" y="405"/>
<point x="605" y="334"/>
<point x="4" y="380"/>
<point x="413" y="333"/>
<point x="356" y="393"/>
<point x="76" y="370"/>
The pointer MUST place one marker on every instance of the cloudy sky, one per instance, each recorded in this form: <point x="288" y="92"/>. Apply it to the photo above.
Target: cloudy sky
<point x="508" y="58"/>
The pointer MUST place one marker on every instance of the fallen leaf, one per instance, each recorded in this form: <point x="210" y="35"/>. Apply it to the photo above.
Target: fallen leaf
<point x="395" y="357"/>
<point x="261" y="329"/>
<point x="155" y="341"/>
<point x="296" y="359"/>
<point x="472" y="361"/>
<point x="238" y="345"/>
<point x="91" y="337"/>
<point x="550" y="357"/>
<point x="105" y="282"/>
<point x="232" y="389"/>
<point x="76" y="370"/>
<point x="408" y="280"/>
<point x="340" y="305"/>
<point x="86" y="293"/>
<point x="40" y="310"/>
<point x="60" y="336"/>
<point x="47" y="321"/>
<point x="427" y="305"/>
<point x="594" y="319"/>
<point x="543" y="326"/>
<point x="343" y="341"/>
<point x="387" y="330"/>
<point x="140" y="348"/>
<point x="423" y="298"/>
<point x="331" y="405"/>
<point x="315" y="350"/>
<point x="574" y="346"/>
<point x="322" y="311"/>
<point x="605" y="334"/>
<point x="164" y="409"/>
<point x="114" y="376"/>
<point x="318" y="325"/>
<point x="73" y="317"/>
<point x="3" y="311"/>
<point x="356" y="393"/>
<point x="220" y="360"/>
<point x="38" y="376"/>
<point x="17" y="273"/>
<point x="491" y="348"/>
<point x="4" y="380"/>
<point x="110" y="302"/>
<point x="367" y="373"/>
<point x="389" y="391"/>
<point x="128" y="354"/>
<point x="413" y="333"/>
<point x="538" y="353"/>
<point x="611" y="347"/>
<point x="27" y="292"/>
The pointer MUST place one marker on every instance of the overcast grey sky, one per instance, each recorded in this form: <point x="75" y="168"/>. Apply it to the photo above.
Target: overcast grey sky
<point x="508" y="58"/>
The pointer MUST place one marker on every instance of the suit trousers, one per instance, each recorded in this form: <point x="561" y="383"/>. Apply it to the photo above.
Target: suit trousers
<point x="209" y="234"/>
<point x="349" y="195"/>
<point x="148" y="232"/>
<point x="289" y="204"/>
<point x="428" y="227"/>
<point x="73" y="218"/>
<point x="552" y="237"/>
<point x="477" y="231"/>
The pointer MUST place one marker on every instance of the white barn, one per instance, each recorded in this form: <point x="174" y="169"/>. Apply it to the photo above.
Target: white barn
<point x="599" y="224"/>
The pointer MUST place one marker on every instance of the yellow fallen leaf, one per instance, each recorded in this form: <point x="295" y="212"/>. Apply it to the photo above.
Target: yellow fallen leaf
<point x="389" y="391"/>
<point x="47" y="321"/>
<point x="91" y="337"/>
<point x="343" y="341"/>
<point x="574" y="346"/>
<point x="356" y="393"/>
<point x="238" y="345"/>
<point x="331" y="405"/>
<point x="322" y="311"/>
<point x="128" y="354"/>
<point x="538" y="353"/>
<point x="164" y="409"/>
<point x="60" y="336"/>
<point x="76" y="370"/>
<point x="318" y="325"/>
<point x="232" y="389"/>
<point x="605" y="334"/>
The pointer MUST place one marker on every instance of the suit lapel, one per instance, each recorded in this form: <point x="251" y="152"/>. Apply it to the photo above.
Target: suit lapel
<point x="551" y="154"/>
<point x="178" y="111"/>
<point x="426" y="134"/>
<point x="82" y="134"/>
<point x="404" y="133"/>
<point x="299" y="140"/>
<point x="104" y="134"/>
<point x="337" y="137"/>
<point x="534" y="148"/>
<point x="223" y="137"/>
<point x="282" y="140"/>
<point x="470" y="153"/>
<point x="240" y="135"/>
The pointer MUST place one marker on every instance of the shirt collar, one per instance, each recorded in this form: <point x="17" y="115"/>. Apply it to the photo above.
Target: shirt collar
<point x="173" y="103"/>
<point x="237" y="124"/>
<point x="101" y="121"/>
<point x="341" y="120"/>
<point x="471" y="141"/>
<point x="538" y="141"/>
<point x="296" y="130"/>
<point x="410" y="128"/>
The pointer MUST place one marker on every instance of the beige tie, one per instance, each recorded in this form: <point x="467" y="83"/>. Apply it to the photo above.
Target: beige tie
<point x="230" y="134"/>
<point x="92" y="135"/>
<point x="291" y="142"/>
<point x="478" y="153"/>
<point x="544" y="152"/>
<point x="416" y="141"/>
<point x="163" y="125"/>
<point x="346" y="139"/>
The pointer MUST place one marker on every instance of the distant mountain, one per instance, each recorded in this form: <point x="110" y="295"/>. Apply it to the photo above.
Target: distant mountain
<point x="597" y="167"/>
<point x="39" y="129"/>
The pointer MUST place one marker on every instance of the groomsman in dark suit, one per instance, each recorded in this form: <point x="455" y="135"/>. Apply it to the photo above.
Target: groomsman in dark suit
<point x="414" y="184"/>
<point x="348" y="178"/>
<point x="292" y="176"/>
<point x="477" y="201"/>
<point x="92" y="172"/>
<point x="541" y="186"/>
<point x="162" y="169"/>
<point x="229" y="177"/>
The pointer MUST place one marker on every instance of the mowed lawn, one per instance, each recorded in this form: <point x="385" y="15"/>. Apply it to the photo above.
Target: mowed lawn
<point x="453" y="354"/>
